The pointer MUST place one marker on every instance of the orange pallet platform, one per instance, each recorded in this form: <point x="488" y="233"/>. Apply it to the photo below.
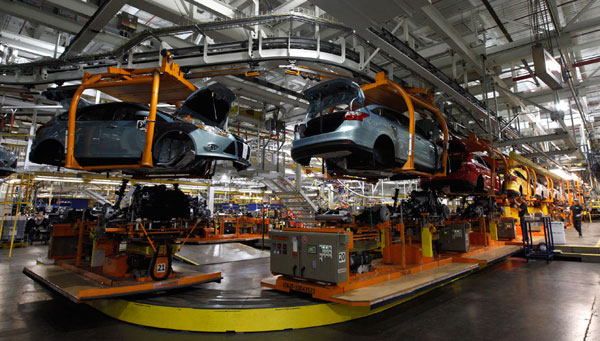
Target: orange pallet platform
<point x="79" y="288"/>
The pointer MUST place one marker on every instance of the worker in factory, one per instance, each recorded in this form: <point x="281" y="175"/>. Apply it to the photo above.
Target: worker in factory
<point x="522" y="208"/>
<point x="576" y="212"/>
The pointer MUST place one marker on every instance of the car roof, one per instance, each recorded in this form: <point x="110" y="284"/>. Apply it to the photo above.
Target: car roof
<point x="117" y="104"/>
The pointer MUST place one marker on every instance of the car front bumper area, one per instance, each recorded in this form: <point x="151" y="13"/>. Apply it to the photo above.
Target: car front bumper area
<point x="219" y="147"/>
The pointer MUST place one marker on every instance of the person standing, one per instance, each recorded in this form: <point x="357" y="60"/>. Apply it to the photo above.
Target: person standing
<point x="576" y="211"/>
<point x="522" y="208"/>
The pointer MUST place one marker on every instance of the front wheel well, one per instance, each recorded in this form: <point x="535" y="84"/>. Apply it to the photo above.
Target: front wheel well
<point x="50" y="152"/>
<point x="170" y="147"/>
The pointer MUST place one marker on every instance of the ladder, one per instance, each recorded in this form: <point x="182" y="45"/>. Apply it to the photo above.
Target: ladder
<point x="297" y="202"/>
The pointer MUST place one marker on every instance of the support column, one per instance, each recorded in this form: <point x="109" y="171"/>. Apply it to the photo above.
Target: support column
<point x="210" y="200"/>
<point x="30" y="138"/>
<point x="298" y="178"/>
<point x="426" y="242"/>
<point x="493" y="229"/>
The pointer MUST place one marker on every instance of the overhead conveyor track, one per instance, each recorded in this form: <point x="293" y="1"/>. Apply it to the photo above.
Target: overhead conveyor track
<point x="248" y="51"/>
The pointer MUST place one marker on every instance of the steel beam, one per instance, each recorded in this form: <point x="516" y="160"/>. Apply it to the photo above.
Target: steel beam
<point x="551" y="153"/>
<point x="533" y="139"/>
<point x="289" y="5"/>
<point x="217" y="8"/>
<point x="161" y="10"/>
<point x="56" y="22"/>
<point x="33" y="46"/>
<point x="93" y="26"/>
<point x="76" y="6"/>
<point x="436" y="20"/>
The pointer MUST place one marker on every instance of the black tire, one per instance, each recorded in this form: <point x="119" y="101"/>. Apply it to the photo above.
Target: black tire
<point x="171" y="147"/>
<point x="384" y="213"/>
<point x="383" y="153"/>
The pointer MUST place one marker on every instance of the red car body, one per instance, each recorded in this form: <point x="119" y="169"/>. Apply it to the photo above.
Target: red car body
<point x="468" y="173"/>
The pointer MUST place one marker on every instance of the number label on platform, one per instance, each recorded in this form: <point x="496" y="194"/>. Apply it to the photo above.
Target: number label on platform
<point x="161" y="267"/>
<point x="342" y="257"/>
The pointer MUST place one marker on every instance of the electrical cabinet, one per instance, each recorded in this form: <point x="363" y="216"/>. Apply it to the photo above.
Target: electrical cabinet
<point x="455" y="237"/>
<point x="319" y="256"/>
<point x="507" y="228"/>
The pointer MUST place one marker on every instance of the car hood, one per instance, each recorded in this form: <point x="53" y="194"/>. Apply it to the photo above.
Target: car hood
<point x="210" y="104"/>
<point x="331" y="93"/>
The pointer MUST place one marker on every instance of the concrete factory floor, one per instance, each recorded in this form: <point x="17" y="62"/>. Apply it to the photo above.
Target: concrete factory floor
<point x="590" y="232"/>
<point x="511" y="300"/>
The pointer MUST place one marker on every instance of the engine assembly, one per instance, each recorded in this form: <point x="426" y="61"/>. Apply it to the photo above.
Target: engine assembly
<point x="422" y="203"/>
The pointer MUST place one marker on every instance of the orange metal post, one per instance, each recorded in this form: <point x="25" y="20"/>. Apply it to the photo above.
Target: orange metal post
<point x="147" y="156"/>
<point x="528" y="187"/>
<point x="148" y="237"/>
<point x="70" y="160"/>
<point x="79" y="243"/>
<point x="403" y="245"/>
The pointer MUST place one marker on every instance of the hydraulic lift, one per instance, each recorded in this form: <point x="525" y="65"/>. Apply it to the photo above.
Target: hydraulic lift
<point x="124" y="251"/>
<point x="230" y="229"/>
<point x="381" y="255"/>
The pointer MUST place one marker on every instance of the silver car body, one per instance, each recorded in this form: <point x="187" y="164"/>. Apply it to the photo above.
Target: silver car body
<point x="343" y="141"/>
<point x="114" y="134"/>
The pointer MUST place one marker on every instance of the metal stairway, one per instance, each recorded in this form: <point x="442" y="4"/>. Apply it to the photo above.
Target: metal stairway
<point x="295" y="201"/>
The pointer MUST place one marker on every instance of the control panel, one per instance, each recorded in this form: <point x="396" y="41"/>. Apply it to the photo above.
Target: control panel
<point x="455" y="237"/>
<point x="320" y="256"/>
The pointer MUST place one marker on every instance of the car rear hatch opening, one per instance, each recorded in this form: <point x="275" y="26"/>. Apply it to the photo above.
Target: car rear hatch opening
<point x="331" y="93"/>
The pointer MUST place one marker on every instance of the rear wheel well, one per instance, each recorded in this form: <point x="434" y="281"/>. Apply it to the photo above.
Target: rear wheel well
<point x="383" y="152"/>
<point x="480" y="186"/>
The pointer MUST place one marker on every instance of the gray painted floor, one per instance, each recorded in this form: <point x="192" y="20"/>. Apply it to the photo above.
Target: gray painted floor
<point x="512" y="300"/>
<point x="220" y="253"/>
<point x="590" y="232"/>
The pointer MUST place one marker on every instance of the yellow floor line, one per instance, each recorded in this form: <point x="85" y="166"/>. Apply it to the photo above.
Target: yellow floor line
<point x="186" y="259"/>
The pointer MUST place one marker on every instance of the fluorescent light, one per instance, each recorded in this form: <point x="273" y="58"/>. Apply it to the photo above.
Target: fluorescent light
<point x="562" y="106"/>
<point x="562" y="174"/>
<point x="58" y="179"/>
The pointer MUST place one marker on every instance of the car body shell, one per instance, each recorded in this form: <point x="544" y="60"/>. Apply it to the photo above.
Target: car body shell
<point x="349" y="144"/>
<point x="114" y="133"/>
<point x="541" y="189"/>
<point x="517" y="183"/>
<point x="472" y="174"/>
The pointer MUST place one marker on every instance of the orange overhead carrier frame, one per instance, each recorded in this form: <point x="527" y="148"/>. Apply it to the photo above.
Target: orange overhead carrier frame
<point x="385" y="92"/>
<point x="164" y="84"/>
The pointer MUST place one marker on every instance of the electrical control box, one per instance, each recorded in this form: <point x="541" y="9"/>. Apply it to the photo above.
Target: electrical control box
<point x="507" y="228"/>
<point x="455" y="237"/>
<point x="320" y="256"/>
